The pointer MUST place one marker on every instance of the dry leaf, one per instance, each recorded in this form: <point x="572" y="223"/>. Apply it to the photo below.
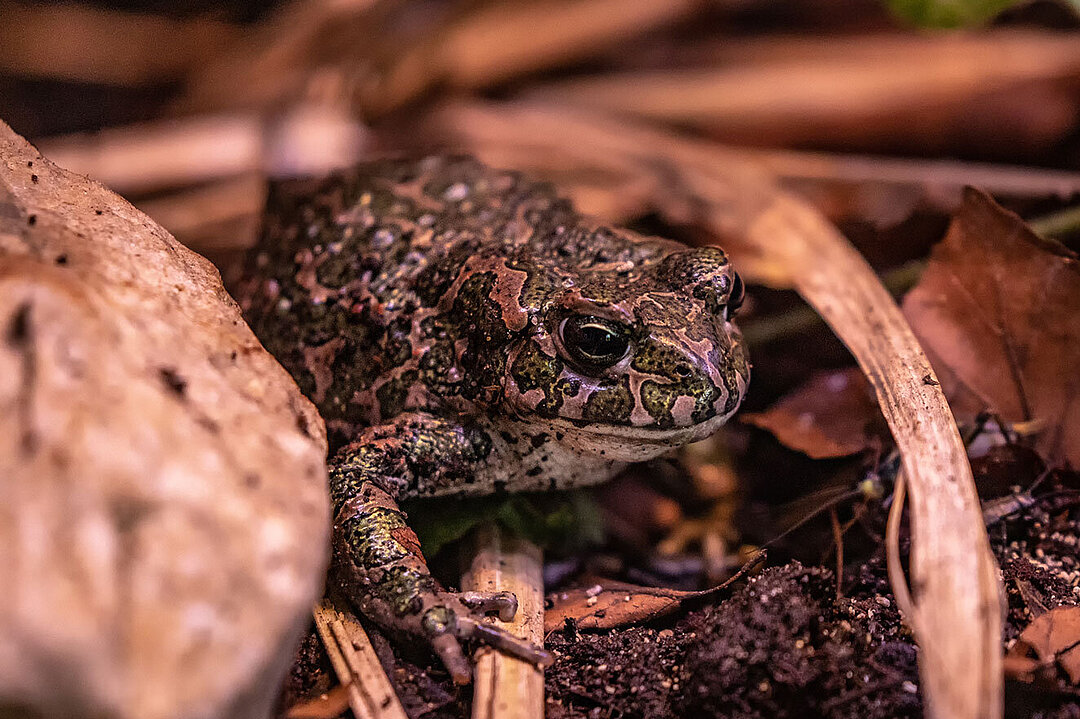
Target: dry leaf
<point x="330" y="705"/>
<point x="1053" y="637"/>
<point x="607" y="603"/>
<point x="832" y="415"/>
<point x="612" y="604"/>
<point x="998" y="310"/>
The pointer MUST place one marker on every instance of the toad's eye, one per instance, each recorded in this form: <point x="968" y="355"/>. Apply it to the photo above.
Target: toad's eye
<point x="735" y="297"/>
<point x="594" y="342"/>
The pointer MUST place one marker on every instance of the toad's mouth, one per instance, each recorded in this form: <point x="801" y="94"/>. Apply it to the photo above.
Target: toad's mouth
<point x="627" y="443"/>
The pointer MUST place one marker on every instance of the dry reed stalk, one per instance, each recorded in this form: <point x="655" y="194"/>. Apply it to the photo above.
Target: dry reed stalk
<point x="780" y="91"/>
<point x="506" y="687"/>
<point x="371" y="695"/>
<point x="893" y="187"/>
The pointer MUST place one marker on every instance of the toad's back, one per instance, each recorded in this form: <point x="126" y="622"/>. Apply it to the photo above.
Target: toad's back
<point x="352" y="287"/>
<point x="463" y="331"/>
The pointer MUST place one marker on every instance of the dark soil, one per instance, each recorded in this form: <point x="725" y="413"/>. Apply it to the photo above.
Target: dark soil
<point x="782" y="645"/>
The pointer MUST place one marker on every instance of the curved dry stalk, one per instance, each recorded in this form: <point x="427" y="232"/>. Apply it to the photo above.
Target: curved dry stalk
<point x="780" y="240"/>
<point x="901" y="592"/>
<point x="957" y="611"/>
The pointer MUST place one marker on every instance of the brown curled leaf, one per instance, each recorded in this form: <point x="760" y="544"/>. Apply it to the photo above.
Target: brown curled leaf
<point x="833" y="415"/>
<point x="1054" y="637"/>
<point x="607" y="603"/>
<point x="611" y="604"/>
<point x="996" y="311"/>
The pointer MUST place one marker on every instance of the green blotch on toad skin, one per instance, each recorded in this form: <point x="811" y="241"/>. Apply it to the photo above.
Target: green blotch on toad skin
<point x="435" y="367"/>
<point x="533" y="369"/>
<point x="401" y="587"/>
<point x="655" y="358"/>
<point x="658" y="400"/>
<point x="370" y="537"/>
<point x="611" y="404"/>
<point x="540" y="283"/>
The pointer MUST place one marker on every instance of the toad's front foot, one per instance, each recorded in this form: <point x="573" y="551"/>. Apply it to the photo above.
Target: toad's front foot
<point x="403" y="598"/>
<point x="448" y="618"/>
<point x="382" y="570"/>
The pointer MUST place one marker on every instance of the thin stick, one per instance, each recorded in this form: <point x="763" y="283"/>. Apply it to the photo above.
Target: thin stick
<point x="1057" y="224"/>
<point x="838" y="540"/>
<point x="941" y="181"/>
<point x="897" y="580"/>
<point x="371" y="696"/>
<point x="505" y="687"/>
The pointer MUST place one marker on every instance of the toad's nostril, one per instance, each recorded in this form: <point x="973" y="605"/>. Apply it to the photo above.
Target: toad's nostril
<point x="683" y="370"/>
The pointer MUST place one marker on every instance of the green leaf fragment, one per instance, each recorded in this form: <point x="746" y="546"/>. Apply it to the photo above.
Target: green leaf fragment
<point x="950" y="13"/>
<point x="559" y="521"/>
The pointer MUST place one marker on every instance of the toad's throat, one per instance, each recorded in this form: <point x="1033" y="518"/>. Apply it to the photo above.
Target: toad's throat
<point x="624" y="443"/>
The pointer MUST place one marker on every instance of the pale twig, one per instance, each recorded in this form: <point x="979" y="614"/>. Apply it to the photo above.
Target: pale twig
<point x="505" y="687"/>
<point x="939" y="182"/>
<point x="897" y="580"/>
<point x="309" y="139"/>
<point x="868" y="87"/>
<point x="141" y="158"/>
<point x="80" y="43"/>
<point x="371" y="696"/>
<point x="838" y="540"/>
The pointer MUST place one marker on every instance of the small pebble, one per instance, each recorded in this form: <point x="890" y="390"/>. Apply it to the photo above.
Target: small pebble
<point x="456" y="191"/>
